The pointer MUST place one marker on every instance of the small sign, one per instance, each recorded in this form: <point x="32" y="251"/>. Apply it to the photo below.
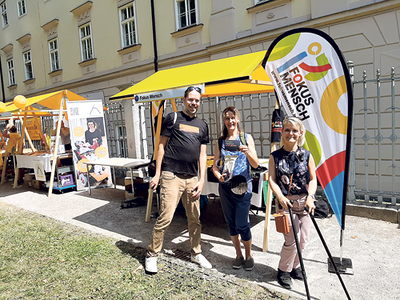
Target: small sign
<point x="39" y="170"/>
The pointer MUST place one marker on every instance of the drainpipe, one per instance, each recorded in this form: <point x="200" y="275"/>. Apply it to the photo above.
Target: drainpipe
<point x="153" y="22"/>
<point x="2" y="83"/>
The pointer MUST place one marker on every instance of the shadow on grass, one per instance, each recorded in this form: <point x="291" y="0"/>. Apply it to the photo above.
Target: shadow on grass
<point x="134" y="251"/>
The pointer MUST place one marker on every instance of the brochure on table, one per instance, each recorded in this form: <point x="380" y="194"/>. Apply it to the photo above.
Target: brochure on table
<point x="89" y="142"/>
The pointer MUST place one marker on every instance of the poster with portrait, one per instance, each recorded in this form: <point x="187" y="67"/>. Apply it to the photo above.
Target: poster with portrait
<point x="89" y="142"/>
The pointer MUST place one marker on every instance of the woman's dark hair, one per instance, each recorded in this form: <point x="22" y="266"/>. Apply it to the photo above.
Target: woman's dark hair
<point x="236" y="113"/>
<point x="13" y="129"/>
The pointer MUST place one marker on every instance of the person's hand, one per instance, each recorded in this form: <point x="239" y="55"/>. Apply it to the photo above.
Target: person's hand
<point x="196" y="191"/>
<point x="244" y="148"/>
<point x="223" y="176"/>
<point x="285" y="202"/>
<point x="310" y="205"/>
<point x="154" y="182"/>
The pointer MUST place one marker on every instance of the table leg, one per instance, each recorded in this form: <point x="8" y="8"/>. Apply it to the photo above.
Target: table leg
<point x="16" y="172"/>
<point x="87" y="175"/>
<point x="115" y="178"/>
<point x="132" y="185"/>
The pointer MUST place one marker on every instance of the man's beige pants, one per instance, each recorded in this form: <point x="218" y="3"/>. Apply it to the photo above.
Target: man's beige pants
<point x="173" y="188"/>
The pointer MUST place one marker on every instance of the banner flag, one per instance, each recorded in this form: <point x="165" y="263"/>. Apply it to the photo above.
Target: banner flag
<point x="312" y="82"/>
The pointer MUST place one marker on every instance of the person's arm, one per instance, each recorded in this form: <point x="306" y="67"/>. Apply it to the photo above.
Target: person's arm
<point x="6" y="134"/>
<point x="250" y="151"/>
<point x="99" y="137"/>
<point x="215" y="169"/>
<point x="312" y="186"/>
<point x="160" y="155"/>
<point x="282" y="200"/>
<point x="197" y="189"/>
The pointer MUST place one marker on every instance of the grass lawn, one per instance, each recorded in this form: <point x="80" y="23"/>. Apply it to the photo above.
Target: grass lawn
<point x="42" y="258"/>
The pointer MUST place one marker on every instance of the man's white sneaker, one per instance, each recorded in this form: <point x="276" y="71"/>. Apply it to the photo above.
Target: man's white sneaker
<point x="151" y="264"/>
<point x="201" y="260"/>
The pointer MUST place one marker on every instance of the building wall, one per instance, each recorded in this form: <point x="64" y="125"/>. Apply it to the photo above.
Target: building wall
<point x="366" y="31"/>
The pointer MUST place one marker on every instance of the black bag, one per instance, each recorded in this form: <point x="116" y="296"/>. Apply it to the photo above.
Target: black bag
<point x="152" y="168"/>
<point x="210" y="175"/>
<point x="321" y="210"/>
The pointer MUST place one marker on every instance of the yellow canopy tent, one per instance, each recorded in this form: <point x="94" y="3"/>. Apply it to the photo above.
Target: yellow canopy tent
<point x="47" y="104"/>
<point x="50" y="101"/>
<point x="236" y="75"/>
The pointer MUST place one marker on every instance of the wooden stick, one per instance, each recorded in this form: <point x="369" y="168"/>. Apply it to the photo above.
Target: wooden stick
<point x="268" y="205"/>
<point x="158" y="132"/>
<point x="28" y="137"/>
<point x="54" y="158"/>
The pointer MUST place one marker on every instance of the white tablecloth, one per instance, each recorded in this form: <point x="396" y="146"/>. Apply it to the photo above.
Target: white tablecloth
<point x="27" y="161"/>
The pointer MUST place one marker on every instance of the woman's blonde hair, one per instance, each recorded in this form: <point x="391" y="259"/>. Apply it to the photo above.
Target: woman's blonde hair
<point x="236" y="113"/>
<point x="297" y="123"/>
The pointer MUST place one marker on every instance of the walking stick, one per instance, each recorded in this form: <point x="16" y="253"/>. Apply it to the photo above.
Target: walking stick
<point x="329" y="255"/>
<point x="299" y="253"/>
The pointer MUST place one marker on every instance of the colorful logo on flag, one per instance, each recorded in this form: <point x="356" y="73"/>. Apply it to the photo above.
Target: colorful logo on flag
<point x="311" y="80"/>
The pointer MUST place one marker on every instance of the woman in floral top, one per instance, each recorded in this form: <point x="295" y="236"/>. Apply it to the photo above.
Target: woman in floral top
<point x="293" y="181"/>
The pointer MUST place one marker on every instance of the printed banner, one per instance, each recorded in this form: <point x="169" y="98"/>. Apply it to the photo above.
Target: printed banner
<point x="312" y="82"/>
<point x="34" y="127"/>
<point x="89" y="142"/>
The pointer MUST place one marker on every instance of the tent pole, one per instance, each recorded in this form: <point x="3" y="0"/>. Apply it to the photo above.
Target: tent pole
<point x="27" y="136"/>
<point x="54" y="158"/>
<point x="21" y="141"/>
<point x="157" y="141"/>
<point x="268" y="205"/>
<point x="20" y="150"/>
<point x="3" y="173"/>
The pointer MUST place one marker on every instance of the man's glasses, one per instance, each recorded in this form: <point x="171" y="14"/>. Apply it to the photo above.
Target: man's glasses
<point x="193" y="88"/>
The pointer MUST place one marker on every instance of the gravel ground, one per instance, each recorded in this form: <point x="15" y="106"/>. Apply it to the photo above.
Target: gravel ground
<point x="372" y="245"/>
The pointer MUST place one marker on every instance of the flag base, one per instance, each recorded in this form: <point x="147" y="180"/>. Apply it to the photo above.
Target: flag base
<point x="344" y="267"/>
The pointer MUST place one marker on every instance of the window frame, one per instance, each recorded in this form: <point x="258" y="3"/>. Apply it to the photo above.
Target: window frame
<point x="83" y="40"/>
<point x="21" y="5"/>
<point x="11" y="72"/>
<point x="132" y="34"/>
<point x="187" y="14"/>
<point x="55" y="64"/>
<point x="28" y="62"/>
<point x="121" y="147"/>
<point x="4" y="15"/>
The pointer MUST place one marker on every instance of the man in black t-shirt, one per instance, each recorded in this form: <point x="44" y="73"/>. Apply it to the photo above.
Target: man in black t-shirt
<point x="181" y="166"/>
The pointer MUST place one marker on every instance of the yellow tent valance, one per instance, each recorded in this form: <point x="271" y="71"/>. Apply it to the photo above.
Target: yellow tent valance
<point x="50" y="101"/>
<point x="236" y="75"/>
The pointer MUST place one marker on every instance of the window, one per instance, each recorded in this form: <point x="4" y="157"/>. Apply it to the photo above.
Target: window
<point x="28" y="65"/>
<point x="85" y="34"/>
<point x="54" y="57"/>
<point x="11" y="73"/>
<point x="4" y="18"/>
<point x="128" y="27"/>
<point x="186" y="10"/>
<point x="21" y="7"/>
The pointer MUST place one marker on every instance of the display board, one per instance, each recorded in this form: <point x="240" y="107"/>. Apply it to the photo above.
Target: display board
<point x="89" y="142"/>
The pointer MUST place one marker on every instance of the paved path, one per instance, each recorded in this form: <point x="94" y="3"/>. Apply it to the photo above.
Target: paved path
<point x="373" y="246"/>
